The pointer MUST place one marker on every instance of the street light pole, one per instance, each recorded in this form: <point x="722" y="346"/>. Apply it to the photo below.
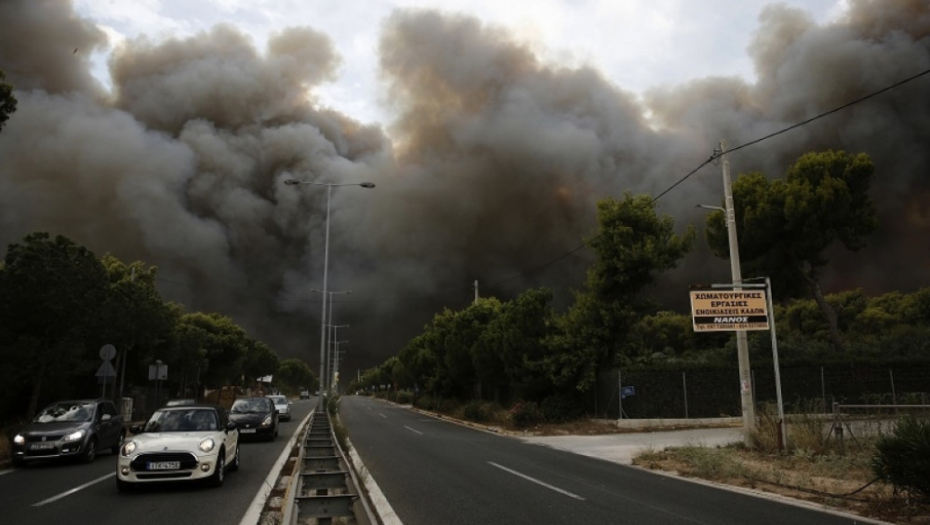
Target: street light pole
<point x="329" y="192"/>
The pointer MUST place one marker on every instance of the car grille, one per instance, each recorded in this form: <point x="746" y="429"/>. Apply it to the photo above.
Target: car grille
<point x="48" y="437"/>
<point x="187" y="461"/>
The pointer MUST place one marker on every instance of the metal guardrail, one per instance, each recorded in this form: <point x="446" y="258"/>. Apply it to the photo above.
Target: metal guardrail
<point x="325" y="490"/>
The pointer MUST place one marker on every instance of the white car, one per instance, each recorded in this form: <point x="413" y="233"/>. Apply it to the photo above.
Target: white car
<point x="180" y="443"/>
<point x="283" y="405"/>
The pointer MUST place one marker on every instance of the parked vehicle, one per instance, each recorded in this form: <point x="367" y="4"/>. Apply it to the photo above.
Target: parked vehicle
<point x="180" y="443"/>
<point x="255" y="416"/>
<point x="305" y="394"/>
<point x="179" y="402"/>
<point x="283" y="405"/>
<point x="75" y="429"/>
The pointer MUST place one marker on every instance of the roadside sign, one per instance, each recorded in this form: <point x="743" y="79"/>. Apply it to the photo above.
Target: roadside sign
<point x="728" y="310"/>
<point x="106" y="370"/>
<point x="158" y="372"/>
<point x="107" y="352"/>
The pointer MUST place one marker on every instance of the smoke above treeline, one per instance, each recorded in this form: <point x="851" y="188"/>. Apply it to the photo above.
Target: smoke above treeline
<point x="492" y="167"/>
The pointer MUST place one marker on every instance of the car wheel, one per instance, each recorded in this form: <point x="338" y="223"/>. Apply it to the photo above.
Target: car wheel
<point x="90" y="453"/>
<point x="216" y="480"/>
<point x="123" y="486"/>
<point x="122" y="437"/>
<point x="235" y="461"/>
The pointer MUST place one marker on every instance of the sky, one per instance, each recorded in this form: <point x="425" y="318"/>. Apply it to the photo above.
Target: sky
<point x="163" y="131"/>
<point x="637" y="44"/>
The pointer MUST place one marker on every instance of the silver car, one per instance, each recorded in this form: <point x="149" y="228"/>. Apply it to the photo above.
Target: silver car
<point x="283" y="406"/>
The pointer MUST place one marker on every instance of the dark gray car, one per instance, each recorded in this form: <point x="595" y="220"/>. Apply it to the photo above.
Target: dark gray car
<point x="70" y="429"/>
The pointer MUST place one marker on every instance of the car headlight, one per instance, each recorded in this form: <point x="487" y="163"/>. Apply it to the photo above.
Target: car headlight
<point x="75" y="436"/>
<point x="207" y="445"/>
<point x="267" y="421"/>
<point x="19" y="439"/>
<point x="128" y="448"/>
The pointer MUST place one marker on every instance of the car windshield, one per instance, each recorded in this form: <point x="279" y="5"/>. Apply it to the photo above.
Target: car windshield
<point x="190" y="420"/>
<point x="62" y="412"/>
<point x="245" y="406"/>
<point x="279" y="400"/>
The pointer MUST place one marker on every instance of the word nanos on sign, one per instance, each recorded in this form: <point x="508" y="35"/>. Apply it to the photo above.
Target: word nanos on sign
<point x="728" y="310"/>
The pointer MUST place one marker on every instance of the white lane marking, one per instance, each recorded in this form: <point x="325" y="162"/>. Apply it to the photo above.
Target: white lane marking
<point x="7" y="471"/>
<point x="534" y="480"/>
<point x="382" y="415"/>
<point x="75" y="489"/>
<point x="413" y="430"/>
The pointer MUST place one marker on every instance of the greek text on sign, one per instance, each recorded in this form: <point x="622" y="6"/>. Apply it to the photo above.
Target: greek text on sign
<point x="729" y="310"/>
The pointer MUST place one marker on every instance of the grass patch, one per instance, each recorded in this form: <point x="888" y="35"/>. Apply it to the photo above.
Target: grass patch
<point x="832" y="479"/>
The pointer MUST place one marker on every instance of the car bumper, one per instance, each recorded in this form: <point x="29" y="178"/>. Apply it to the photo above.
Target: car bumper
<point x="139" y="468"/>
<point x="59" y="450"/>
<point x="253" y="433"/>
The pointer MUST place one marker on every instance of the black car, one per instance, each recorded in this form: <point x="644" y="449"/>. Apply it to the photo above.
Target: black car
<point x="255" y="417"/>
<point x="70" y="429"/>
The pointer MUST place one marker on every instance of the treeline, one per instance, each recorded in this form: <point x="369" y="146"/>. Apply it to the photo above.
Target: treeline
<point x="60" y="304"/>
<point x="523" y="351"/>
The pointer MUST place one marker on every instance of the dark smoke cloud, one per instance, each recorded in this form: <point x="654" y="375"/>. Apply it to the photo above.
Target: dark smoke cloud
<point x="493" y="166"/>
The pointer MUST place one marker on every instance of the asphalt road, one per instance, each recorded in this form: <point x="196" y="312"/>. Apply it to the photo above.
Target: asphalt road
<point x="52" y="493"/>
<point x="433" y="471"/>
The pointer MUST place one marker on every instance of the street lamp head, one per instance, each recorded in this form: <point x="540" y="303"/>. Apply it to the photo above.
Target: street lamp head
<point x="707" y="207"/>
<point x="367" y="184"/>
<point x="292" y="182"/>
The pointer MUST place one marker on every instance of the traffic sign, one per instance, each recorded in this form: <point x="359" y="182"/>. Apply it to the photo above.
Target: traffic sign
<point x="107" y="352"/>
<point x="106" y="370"/>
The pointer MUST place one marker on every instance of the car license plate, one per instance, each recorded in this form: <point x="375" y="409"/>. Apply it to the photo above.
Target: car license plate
<point x="41" y="446"/>
<point x="165" y="465"/>
<point x="247" y="430"/>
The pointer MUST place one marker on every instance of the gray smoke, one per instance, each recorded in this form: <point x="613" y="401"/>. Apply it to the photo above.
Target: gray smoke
<point x="493" y="166"/>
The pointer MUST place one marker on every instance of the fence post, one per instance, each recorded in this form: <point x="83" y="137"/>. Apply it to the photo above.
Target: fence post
<point x="894" y="398"/>
<point x="823" y="389"/>
<point x="684" y="381"/>
<point x="838" y="426"/>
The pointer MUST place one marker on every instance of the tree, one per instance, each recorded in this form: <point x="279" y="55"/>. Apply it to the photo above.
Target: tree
<point x="295" y="373"/>
<point x="785" y="226"/>
<point x="633" y="247"/>
<point x="7" y="100"/>
<point x="513" y="348"/>
<point x="51" y="291"/>
<point x="134" y="318"/>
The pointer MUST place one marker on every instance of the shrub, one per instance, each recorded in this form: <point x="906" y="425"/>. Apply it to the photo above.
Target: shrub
<point x="332" y="404"/>
<point x="525" y="414"/>
<point x="476" y="411"/>
<point x="404" y="397"/>
<point x="903" y="458"/>
<point x="560" y="408"/>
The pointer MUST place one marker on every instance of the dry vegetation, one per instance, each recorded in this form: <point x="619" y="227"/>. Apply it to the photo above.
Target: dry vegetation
<point x="816" y="468"/>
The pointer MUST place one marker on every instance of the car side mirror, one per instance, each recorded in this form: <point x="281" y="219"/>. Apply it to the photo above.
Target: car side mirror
<point x="230" y="426"/>
<point x="136" y="429"/>
<point x="106" y="417"/>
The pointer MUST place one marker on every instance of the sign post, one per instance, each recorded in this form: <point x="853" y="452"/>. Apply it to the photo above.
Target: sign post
<point x="723" y="308"/>
<point x="106" y="371"/>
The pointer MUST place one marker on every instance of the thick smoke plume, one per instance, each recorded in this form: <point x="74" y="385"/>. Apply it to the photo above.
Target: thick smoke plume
<point x="492" y="168"/>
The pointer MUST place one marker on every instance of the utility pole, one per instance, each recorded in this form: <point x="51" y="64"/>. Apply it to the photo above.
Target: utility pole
<point x="476" y="291"/>
<point x="742" y="343"/>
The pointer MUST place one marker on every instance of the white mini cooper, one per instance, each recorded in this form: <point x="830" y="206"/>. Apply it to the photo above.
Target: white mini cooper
<point x="180" y="443"/>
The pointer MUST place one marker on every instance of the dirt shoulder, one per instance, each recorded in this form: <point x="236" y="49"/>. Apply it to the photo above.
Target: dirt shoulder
<point x="842" y="483"/>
